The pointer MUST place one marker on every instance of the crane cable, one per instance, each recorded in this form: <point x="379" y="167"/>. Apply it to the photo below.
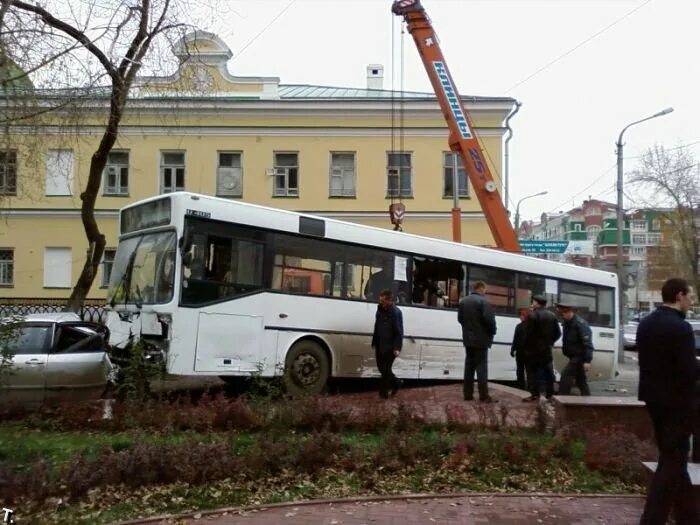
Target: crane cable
<point x="396" y="192"/>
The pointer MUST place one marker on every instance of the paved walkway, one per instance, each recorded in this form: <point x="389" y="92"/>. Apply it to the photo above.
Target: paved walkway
<point x="455" y="510"/>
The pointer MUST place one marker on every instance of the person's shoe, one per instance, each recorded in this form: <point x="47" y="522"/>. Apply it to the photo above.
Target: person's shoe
<point x="383" y="395"/>
<point x="488" y="399"/>
<point x="530" y="399"/>
<point x="395" y="388"/>
<point x="469" y="398"/>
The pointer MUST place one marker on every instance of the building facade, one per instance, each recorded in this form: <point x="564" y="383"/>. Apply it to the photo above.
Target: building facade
<point x="323" y="150"/>
<point x="596" y="221"/>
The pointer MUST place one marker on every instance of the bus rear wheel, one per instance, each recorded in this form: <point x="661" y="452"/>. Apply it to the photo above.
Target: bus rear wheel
<point x="306" y="369"/>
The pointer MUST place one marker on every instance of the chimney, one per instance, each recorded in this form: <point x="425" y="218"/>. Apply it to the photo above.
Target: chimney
<point x="375" y="76"/>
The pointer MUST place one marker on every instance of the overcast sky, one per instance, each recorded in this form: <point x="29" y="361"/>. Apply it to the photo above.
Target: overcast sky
<point x="606" y="64"/>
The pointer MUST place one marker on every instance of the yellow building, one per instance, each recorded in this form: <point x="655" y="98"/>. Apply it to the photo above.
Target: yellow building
<point x="323" y="150"/>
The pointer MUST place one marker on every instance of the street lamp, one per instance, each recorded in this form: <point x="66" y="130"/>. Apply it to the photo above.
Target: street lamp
<point x="621" y="225"/>
<point x="517" y="208"/>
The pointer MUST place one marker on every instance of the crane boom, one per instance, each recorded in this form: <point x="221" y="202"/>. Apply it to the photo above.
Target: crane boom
<point x="462" y="139"/>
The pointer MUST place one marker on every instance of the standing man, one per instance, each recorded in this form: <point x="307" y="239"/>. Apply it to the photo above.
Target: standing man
<point x="667" y="375"/>
<point x="517" y="349"/>
<point x="478" y="328"/>
<point x="387" y="341"/>
<point x="542" y="330"/>
<point x="577" y="345"/>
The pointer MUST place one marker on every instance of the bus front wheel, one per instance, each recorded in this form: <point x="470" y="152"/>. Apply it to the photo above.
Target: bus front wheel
<point x="306" y="369"/>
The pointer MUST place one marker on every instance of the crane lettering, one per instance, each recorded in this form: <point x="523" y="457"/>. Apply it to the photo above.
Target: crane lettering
<point x="453" y="100"/>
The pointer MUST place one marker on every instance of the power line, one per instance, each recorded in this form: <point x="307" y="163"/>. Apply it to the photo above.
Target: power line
<point x="552" y="62"/>
<point x="584" y="189"/>
<point x="240" y="52"/>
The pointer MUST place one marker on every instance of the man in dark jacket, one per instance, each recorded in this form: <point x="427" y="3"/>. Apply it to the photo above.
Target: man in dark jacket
<point x="667" y="376"/>
<point x="387" y="341"/>
<point x="577" y="345"/>
<point x="517" y="349"/>
<point x="542" y="330"/>
<point x="478" y="328"/>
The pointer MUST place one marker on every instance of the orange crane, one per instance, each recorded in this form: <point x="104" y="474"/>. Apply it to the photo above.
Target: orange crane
<point x="462" y="139"/>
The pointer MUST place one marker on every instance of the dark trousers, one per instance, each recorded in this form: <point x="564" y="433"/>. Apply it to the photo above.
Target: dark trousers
<point x="539" y="374"/>
<point x="670" y="486"/>
<point x="385" y="361"/>
<point x="574" y="371"/>
<point x="476" y="360"/>
<point x="520" y="379"/>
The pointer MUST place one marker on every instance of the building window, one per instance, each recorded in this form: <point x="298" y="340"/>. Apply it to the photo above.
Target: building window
<point x="285" y="175"/>
<point x="593" y="210"/>
<point x="107" y="262"/>
<point x="450" y="163"/>
<point x="229" y="174"/>
<point x="7" y="266"/>
<point x="653" y="238"/>
<point x="639" y="226"/>
<point x="116" y="174"/>
<point x="8" y="172"/>
<point x="58" y="263"/>
<point x="639" y="251"/>
<point x="639" y="238"/>
<point x="342" y="175"/>
<point x="656" y="225"/>
<point x="398" y="173"/>
<point x="577" y="227"/>
<point x="592" y="232"/>
<point x="59" y="172"/>
<point x="172" y="171"/>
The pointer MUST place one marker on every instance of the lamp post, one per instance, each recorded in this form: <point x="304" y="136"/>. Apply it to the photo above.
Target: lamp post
<point x="517" y="208"/>
<point x="620" y="229"/>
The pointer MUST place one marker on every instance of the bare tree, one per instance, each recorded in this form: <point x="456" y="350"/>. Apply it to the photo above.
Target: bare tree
<point x="98" y="48"/>
<point x="670" y="179"/>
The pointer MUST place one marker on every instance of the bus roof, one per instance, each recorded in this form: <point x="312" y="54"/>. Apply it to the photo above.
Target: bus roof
<point x="284" y="220"/>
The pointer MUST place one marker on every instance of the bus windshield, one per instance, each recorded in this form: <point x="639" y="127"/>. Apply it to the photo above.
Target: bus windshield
<point x="144" y="270"/>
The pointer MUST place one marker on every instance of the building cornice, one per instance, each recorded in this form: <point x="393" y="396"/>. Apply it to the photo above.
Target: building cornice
<point x="247" y="131"/>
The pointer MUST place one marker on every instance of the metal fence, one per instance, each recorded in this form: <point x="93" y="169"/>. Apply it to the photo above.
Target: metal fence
<point x="93" y="310"/>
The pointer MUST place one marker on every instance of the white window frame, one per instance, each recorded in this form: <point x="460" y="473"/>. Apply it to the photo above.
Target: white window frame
<point x="639" y="238"/>
<point x="120" y="172"/>
<point x="172" y="169"/>
<point x="59" y="172"/>
<point x="640" y="225"/>
<point x="8" y="172"/>
<point x="58" y="267"/>
<point x="7" y="267"/>
<point x="107" y="263"/>
<point x="343" y="175"/>
<point x="458" y="165"/>
<point x="395" y="171"/>
<point x="229" y="179"/>
<point x="639" y="251"/>
<point x="281" y="174"/>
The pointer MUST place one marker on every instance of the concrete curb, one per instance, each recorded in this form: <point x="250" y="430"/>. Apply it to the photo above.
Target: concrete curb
<point x="364" y="499"/>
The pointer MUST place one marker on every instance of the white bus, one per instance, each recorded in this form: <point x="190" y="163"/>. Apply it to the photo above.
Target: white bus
<point x="231" y="289"/>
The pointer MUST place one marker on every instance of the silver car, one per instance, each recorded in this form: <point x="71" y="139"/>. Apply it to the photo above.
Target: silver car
<point x="53" y="357"/>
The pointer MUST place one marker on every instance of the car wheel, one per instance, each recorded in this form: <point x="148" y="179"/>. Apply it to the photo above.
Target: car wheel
<point x="306" y="369"/>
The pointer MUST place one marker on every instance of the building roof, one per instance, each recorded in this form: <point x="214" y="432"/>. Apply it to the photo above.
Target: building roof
<point x="307" y="91"/>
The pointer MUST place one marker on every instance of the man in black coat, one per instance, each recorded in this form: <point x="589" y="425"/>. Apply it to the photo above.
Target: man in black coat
<point x="478" y="328"/>
<point x="577" y="345"/>
<point x="387" y="341"/>
<point x="518" y="349"/>
<point x="667" y="376"/>
<point x="542" y="331"/>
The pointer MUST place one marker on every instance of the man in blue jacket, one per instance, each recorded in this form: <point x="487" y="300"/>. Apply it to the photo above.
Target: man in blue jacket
<point x="387" y="341"/>
<point x="667" y="376"/>
<point x="577" y="345"/>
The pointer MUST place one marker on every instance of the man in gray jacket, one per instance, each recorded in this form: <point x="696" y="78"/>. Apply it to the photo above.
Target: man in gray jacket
<point x="478" y="328"/>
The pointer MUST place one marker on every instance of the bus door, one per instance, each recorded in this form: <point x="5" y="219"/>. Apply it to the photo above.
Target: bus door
<point x="228" y="343"/>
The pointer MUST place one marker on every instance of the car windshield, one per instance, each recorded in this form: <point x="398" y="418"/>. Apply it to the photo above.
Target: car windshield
<point x="143" y="271"/>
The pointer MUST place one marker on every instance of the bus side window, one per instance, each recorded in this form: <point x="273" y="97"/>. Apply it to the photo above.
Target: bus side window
<point x="437" y="282"/>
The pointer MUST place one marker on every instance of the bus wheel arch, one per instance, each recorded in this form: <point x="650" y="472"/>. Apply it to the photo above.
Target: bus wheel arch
<point x="307" y="367"/>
